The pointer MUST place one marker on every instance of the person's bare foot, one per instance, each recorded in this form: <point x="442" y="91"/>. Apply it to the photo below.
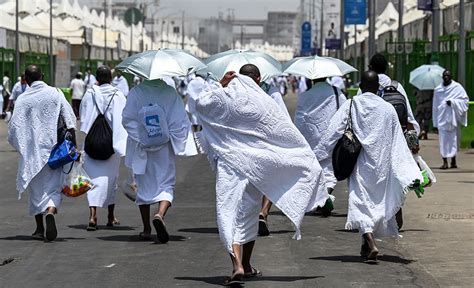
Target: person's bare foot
<point x="112" y="221"/>
<point x="236" y="280"/>
<point x="372" y="257"/>
<point x="250" y="272"/>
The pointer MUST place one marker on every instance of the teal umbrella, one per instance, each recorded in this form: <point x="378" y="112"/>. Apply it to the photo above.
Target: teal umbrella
<point x="315" y="67"/>
<point x="156" y="64"/>
<point x="427" y="77"/>
<point x="232" y="60"/>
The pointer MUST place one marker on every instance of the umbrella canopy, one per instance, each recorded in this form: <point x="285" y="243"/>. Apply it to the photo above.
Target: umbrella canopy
<point x="232" y="60"/>
<point x="315" y="67"/>
<point x="427" y="77"/>
<point x="155" y="64"/>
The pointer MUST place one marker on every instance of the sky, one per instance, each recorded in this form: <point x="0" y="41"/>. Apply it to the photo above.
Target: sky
<point x="244" y="9"/>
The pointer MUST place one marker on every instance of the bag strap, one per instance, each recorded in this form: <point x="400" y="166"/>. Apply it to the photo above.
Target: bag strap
<point x="95" y="101"/>
<point x="337" y="96"/>
<point x="349" y="120"/>
<point x="70" y="169"/>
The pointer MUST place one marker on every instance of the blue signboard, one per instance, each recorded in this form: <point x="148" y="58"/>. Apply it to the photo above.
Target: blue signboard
<point x="333" y="44"/>
<point x="306" y="38"/>
<point x="355" y="12"/>
<point x="426" y="5"/>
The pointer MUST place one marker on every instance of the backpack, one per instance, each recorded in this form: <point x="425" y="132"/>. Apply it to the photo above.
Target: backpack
<point x="399" y="102"/>
<point x="154" y="126"/>
<point x="346" y="151"/>
<point x="99" y="141"/>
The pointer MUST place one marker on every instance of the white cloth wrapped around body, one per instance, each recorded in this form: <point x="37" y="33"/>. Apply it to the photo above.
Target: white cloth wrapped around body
<point x="155" y="168"/>
<point x="314" y="109"/>
<point x="246" y="136"/>
<point x="385" y="167"/>
<point x="104" y="173"/>
<point x="449" y="118"/>
<point x="33" y="128"/>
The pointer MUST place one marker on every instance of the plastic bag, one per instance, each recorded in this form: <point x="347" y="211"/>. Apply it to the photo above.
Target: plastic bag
<point x="425" y="167"/>
<point x="129" y="187"/>
<point x="76" y="182"/>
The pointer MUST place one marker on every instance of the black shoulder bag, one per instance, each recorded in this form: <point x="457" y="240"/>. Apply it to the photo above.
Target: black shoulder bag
<point x="346" y="152"/>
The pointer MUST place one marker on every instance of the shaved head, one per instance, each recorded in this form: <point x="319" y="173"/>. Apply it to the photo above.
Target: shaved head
<point x="251" y="71"/>
<point x="103" y="75"/>
<point x="33" y="73"/>
<point x="369" y="82"/>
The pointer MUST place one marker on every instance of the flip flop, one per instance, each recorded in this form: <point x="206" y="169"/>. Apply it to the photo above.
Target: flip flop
<point x="92" y="227"/>
<point x="37" y="236"/>
<point x="262" y="226"/>
<point x="234" y="281"/>
<point x="160" y="228"/>
<point x="143" y="237"/>
<point x="372" y="257"/>
<point x="115" y="222"/>
<point x="51" y="231"/>
<point x="255" y="273"/>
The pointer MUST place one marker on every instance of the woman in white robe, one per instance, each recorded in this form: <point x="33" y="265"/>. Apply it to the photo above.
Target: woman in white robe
<point x="104" y="173"/>
<point x="253" y="147"/>
<point x="154" y="168"/>
<point x="32" y="132"/>
<point x="385" y="167"/>
<point x="450" y="105"/>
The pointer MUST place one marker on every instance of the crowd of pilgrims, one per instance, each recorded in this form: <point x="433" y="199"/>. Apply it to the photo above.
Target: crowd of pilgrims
<point x="261" y="156"/>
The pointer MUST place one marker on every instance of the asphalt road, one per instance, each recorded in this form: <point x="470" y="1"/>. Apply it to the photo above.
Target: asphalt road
<point x="437" y="249"/>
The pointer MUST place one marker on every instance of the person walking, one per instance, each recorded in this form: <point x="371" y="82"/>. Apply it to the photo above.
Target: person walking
<point x="104" y="99"/>
<point x="77" y="89"/>
<point x="450" y="105"/>
<point x="255" y="150"/>
<point x="385" y="168"/>
<point x="38" y="113"/>
<point x="120" y="83"/>
<point x="6" y="83"/>
<point x="158" y="129"/>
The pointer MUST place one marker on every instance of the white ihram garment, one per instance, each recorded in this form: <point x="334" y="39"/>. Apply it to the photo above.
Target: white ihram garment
<point x="252" y="143"/>
<point x="449" y="119"/>
<point x="385" y="167"/>
<point x="121" y="84"/>
<point x="274" y="92"/>
<point x="314" y="109"/>
<point x="155" y="169"/>
<point x="194" y="87"/>
<point x="32" y="132"/>
<point x="104" y="173"/>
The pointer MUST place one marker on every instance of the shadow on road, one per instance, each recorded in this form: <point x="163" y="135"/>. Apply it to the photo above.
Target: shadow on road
<point x="133" y="238"/>
<point x="358" y="259"/>
<point x="218" y="280"/>
<point x="413" y="230"/>
<point x="347" y="231"/>
<point x="203" y="230"/>
<point x="29" y="238"/>
<point x="100" y="227"/>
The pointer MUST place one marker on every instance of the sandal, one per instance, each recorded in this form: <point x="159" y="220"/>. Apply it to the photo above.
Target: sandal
<point x="262" y="226"/>
<point x="234" y="281"/>
<point x="253" y="273"/>
<point x="114" y="222"/>
<point x="144" y="237"/>
<point x="160" y="228"/>
<point x="92" y="226"/>
<point x="37" y="236"/>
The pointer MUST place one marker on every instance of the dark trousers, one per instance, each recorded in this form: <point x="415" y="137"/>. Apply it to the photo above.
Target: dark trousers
<point x="75" y="107"/>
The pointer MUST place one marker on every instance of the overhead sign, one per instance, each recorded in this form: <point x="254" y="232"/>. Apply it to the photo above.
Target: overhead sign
<point x="133" y="16"/>
<point x="306" y="38"/>
<point x="355" y="12"/>
<point x="426" y="5"/>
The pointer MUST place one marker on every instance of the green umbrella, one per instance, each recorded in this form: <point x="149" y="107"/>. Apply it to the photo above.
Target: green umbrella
<point x="315" y="67"/>
<point x="232" y="60"/>
<point x="155" y="64"/>
<point x="427" y="77"/>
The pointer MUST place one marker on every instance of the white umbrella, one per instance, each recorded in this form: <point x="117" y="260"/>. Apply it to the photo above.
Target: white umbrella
<point x="156" y="64"/>
<point x="427" y="77"/>
<point x="232" y="60"/>
<point x="315" y="67"/>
